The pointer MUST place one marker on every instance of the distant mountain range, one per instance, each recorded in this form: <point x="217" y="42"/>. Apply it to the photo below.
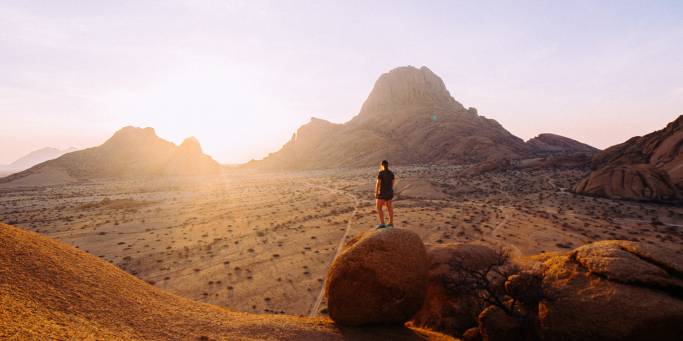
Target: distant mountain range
<point x="129" y="152"/>
<point x="410" y="118"/>
<point x="35" y="157"/>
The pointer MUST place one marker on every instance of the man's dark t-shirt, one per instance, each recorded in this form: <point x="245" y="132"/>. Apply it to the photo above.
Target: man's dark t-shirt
<point x="386" y="192"/>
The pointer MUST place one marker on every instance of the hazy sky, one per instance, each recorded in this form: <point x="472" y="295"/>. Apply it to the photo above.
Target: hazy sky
<point x="241" y="76"/>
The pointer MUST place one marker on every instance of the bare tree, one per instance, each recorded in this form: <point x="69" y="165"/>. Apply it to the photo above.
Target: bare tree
<point x="486" y="282"/>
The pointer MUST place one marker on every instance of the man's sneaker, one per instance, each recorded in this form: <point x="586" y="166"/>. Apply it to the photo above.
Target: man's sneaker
<point x="381" y="226"/>
<point x="390" y="225"/>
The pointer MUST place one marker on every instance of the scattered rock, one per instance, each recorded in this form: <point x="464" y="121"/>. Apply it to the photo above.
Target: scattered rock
<point x="380" y="278"/>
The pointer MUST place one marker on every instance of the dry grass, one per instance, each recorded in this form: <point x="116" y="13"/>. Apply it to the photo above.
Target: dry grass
<point x="49" y="290"/>
<point x="261" y="243"/>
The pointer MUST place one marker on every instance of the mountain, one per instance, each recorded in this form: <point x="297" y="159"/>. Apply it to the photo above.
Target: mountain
<point x="551" y="143"/>
<point x="35" y="157"/>
<point x="408" y="118"/>
<point x="129" y="152"/>
<point x="646" y="167"/>
<point x="52" y="291"/>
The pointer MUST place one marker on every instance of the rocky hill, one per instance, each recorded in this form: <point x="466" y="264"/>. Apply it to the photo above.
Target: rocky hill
<point x="130" y="151"/>
<point x="553" y="144"/>
<point x="409" y="118"/>
<point x="646" y="167"/>
<point x="50" y="290"/>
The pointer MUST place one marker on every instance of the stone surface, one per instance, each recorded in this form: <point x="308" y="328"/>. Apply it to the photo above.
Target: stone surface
<point x="379" y="278"/>
<point x="613" y="290"/>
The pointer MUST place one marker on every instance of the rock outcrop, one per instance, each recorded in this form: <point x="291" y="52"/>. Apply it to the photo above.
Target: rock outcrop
<point x="556" y="144"/>
<point x="638" y="182"/>
<point x="189" y="159"/>
<point x="129" y="152"/>
<point x="409" y="118"/>
<point x="646" y="168"/>
<point x="613" y="290"/>
<point x="606" y="290"/>
<point x="379" y="278"/>
<point x="558" y="161"/>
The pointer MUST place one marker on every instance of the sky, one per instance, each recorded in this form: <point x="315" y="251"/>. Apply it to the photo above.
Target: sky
<point x="242" y="76"/>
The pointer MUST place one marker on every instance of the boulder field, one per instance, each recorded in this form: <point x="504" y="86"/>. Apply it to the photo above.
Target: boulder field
<point x="605" y="290"/>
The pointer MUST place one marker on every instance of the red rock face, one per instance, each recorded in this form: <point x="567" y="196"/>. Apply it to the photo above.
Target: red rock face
<point x="643" y="168"/>
<point x="407" y="86"/>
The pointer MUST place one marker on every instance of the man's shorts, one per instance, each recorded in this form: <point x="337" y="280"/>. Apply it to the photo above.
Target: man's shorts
<point x="385" y="196"/>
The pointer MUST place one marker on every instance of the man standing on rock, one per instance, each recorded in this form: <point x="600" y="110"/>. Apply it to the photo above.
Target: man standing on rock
<point x="384" y="193"/>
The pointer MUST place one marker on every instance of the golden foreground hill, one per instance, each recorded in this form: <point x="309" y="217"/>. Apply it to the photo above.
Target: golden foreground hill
<point x="50" y="290"/>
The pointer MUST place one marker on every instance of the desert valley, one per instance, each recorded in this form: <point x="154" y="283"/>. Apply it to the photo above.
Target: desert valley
<point x="261" y="238"/>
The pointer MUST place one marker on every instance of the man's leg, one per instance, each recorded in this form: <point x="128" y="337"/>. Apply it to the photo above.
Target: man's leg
<point x="390" y="208"/>
<point x="380" y="214"/>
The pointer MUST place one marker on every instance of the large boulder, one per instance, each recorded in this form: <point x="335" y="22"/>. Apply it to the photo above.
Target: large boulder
<point x="496" y="325"/>
<point x="444" y="310"/>
<point x="646" y="167"/>
<point x="636" y="182"/>
<point x="379" y="278"/>
<point x="613" y="290"/>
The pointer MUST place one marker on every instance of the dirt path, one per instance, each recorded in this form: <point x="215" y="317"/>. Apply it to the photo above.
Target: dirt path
<point x="316" y="305"/>
<point x="514" y="250"/>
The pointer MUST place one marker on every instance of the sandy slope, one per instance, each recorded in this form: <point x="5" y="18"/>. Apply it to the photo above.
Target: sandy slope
<point x="51" y="290"/>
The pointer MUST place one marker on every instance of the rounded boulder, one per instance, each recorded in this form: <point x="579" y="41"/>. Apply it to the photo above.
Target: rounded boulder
<point x="379" y="278"/>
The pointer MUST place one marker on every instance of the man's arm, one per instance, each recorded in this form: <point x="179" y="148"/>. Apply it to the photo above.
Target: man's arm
<point x="377" y="184"/>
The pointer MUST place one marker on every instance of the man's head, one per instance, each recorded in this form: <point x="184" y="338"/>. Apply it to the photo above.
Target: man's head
<point x="384" y="164"/>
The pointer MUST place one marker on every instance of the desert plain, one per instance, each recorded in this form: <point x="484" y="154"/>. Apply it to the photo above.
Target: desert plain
<point x="262" y="242"/>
